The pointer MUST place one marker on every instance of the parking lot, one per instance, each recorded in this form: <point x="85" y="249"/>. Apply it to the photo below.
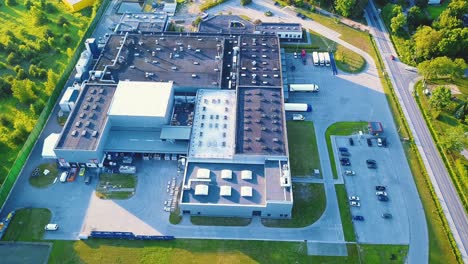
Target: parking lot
<point x="350" y="97"/>
<point x="374" y="227"/>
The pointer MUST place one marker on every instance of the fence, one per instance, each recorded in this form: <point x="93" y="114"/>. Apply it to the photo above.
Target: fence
<point x="23" y="154"/>
<point x="127" y="235"/>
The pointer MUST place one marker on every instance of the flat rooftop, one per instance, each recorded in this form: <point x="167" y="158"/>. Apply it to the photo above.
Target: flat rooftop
<point x="226" y="24"/>
<point x="260" y="122"/>
<point x="259" y="61"/>
<point x="141" y="99"/>
<point x="213" y="132"/>
<point x="272" y="28"/>
<point x="142" y="23"/>
<point x="87" y="120"/>
<point x="275" y="192"/>
<point x="187" y="61"/>
<point x="215" y="181"/>
<point x="142" y="141"/>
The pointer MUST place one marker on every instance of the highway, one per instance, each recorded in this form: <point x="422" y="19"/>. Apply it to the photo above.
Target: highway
<point x="402" y="82"/>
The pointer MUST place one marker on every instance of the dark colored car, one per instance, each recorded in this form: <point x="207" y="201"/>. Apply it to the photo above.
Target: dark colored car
<point x="343" y="149"/>
<point x="392" y="57"/>
<point x="358" y="218"/>
<point x="382" y="198"/>
<point x="345" y="162"/>
<point x="351" y="141"/>
<point x="87" y="179"/>
<point x="380" y="188"/>
<point x="387" y="215"/>
<point x="371" y="164"/>
<point x="369" y="142"/>
<point x="345" y="154"/>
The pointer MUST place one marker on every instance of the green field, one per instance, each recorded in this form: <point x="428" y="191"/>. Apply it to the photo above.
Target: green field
<point x="303" y="152"/>
<point x="119" y="181"/>
<point x="349" y="61"/>
<point x="28" y="225"/>
<point x="309" y="204"/>
<point x="46" y="45"/>
<point x="341" y="129"/>
<point x="220" y="221"/>
<point x="42" y="180"/>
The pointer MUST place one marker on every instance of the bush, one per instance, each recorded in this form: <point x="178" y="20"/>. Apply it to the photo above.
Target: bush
<point x="245" y="2"/>
<point x="11" y="2"/>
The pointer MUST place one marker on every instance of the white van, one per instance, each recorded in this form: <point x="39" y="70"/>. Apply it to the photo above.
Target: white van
<point x="64" y="176"/>
<point x="51" y="227"/>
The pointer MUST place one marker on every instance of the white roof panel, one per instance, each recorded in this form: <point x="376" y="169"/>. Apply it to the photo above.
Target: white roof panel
<point x="246" y="191"/>
<point x="203" y="174"/>
<point x="225" y="190"/>
<point x="226" y="174"/>
<point x="141" y="99"/>
<point x="246" y="175"/>
<point x="49" y="145"/>
<point x="201" y="189"/>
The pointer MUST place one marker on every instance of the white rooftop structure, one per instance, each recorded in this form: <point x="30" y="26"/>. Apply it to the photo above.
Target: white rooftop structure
<point x="213" y="131"/>
<point x="246" y="175"/>
<point x="203" y="174"/>
<point x="225" y="190"/>
<point x="49" y="145"/>
<point x="246" y="191"/>
<point x="226" y="174"/>
<point x="141" y="99"/>
<point x="201" y="189"/>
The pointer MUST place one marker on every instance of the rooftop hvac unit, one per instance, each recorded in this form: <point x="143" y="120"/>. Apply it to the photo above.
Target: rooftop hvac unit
<point x="94" y="107"/>
<point x="78" y="123"/>
<point x="216" y="70"/>
<point x="264" y="62"/>
<point x="254" y="56"/>
<point x="244" y="68"/>
<point x="88" y="124"/>
<point x="196" y="63"/>
<point x="73" y="133"/>
<point x="254" y="68"/>
<point x="83" y="133"/>
<point x="264" y="129"/>
<point x="174" y="68"/>
<point x="246" y="128"/>
<point x="82" y="115"/>
<point x="264" y="56"/>
<point x="265" y="147"/>
<point x="101" y="91"/>
<point x="197" y="50"/>
<point x="275" y="139"/>
<point x="276" y="75"/>
<point x="94" y="133"/>
<point x="194" y="76"/>
<point x="93" y="91"/>
<point x="258" y="139"/>
<point x="86" y="107"/>
<point x="265" y="75"/>
<point x="265" y="82"/>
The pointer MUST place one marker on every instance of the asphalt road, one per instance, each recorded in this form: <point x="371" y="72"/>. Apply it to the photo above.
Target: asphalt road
<point x="402" y="82"/>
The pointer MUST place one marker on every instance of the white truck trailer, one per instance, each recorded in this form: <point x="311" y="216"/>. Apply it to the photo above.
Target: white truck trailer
<point x="321" y="59"/>
<point x="303" y="88"/>
<point x="295" y="107"/>
<point x="298" y="117"/>
<point x="315" y="58"/>
<point x="327" y="58"/>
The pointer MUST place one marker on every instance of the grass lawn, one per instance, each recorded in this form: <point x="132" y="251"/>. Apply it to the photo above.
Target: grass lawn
<point x="345" y="213"/>
<point x="120" y="181"/>
<point x="309" y="205"/>
<point x="175" y="217"/>
<point x="303" y="152"/>
<point x="435" y="10"/>
<point x="341" y="129"/>
<point x="42" y="180"/>
<point x="28" y="225"/>
<point x="383" y="253"/>
<point x="349" y="61"/>
<point x="220" y="221"/>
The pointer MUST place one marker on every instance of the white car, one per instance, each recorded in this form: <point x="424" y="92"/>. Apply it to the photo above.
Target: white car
<point x="51" y="227"/>
<point x="355" y="203"/>
<point x="350" y="172"/>
<point x="295" y="55"/>
<point x="354" y="198"/>
<point x="381" y="193"/>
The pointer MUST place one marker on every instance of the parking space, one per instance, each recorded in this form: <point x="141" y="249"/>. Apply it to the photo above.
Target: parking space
<point x="374" y="228"/>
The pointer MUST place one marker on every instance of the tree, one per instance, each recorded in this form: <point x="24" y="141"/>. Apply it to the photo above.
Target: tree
<point x="344" y="7"/>
<point x="11" y="2"/>
<point x="62" y="21"/>
<point x="51" y="83"/>
<point x="28" y="4"/>
<point x="415" y="17"/>
<point x="442" y="67"/>
<point x="38" y="17"/>
<point x="421" y="3"/>
<point x="454" y="139"/>
<point x="440" y="98"/>
<point x="447" y="21"/>
<point x="197" y="21"/>
<point x="23" y="91"/>
<point x="398" y="23"/>
<point x="245" y="2"/>
<point x="426" y="40"/>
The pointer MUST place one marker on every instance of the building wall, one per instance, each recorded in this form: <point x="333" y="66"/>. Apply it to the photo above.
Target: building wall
<point x="139" y="121"/>
<point x="271" y="210"/>
<point x="78" y="5"/>
<point x="282" y="34"/>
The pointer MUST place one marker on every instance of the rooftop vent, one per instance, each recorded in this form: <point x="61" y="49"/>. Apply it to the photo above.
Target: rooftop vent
<point x="78" y="124"/>
<point x="83" y="133"/>
<point x="94" y="133"/>
<point x="73" y="133"/>
<point x="82" y="115"/>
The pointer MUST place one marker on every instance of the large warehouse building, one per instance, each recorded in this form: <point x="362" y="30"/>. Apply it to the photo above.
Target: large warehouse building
<point x="216" y="99"/>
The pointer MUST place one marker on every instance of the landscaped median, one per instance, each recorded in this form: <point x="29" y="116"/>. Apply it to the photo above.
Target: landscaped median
<point x="220" y="221"/>
<point x="341" y="129"/>
<point x="348" y="60"/>
<point x="116" y="186"/>
<point x="303" y="152"/>
<point x="28" y="225"/>
<point x="44" y="175"/>
<point x="309" y="204"/>
<point x="345" y="213"/>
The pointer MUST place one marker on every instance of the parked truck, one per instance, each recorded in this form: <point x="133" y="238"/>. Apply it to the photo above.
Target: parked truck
<point x="298" y="117"/>
<point x="296" y="107"/>
<point x="304" y="56"/>
<point x="315" y="58"/>
<point x="327" y="58"/>
<point x="303" y="88"/>
<point x="321" y="59"/>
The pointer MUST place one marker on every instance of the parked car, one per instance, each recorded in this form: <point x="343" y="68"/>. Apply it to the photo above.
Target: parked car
<point x="51" y="227"/>
<point x="369" y="142"/>
<point x="351" y="141"/>
<point x="380" y="188"/>
<point x="358" y="218"/>
<point x="345" y="154"/>
<point x="387" y="215"/>
<point x="82" y="171"/>
<point x="72" y="174"/>
<point x="87" y="179"/>
<point x="379" y="142"/>
<point x="295" y="55"/>
<point x="342" y="149"/>
<point x="355" y="203"/>
<point x="64" y="176"/>
<point x="381" y="193"/>
<point x="354" y="198"/>
<point x="350" y="172"/>
<point x="371" y="164"/>
<point x="382" y="198"/>
<point x="345" y="162"/>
